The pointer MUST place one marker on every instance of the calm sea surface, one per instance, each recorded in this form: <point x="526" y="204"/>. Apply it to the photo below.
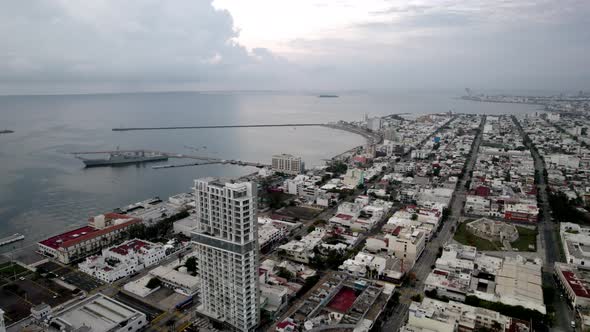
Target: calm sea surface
<point x="44" y="190"/>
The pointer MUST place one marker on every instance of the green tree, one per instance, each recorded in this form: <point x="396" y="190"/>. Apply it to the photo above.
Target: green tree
<point x="154" y="283"/>
<point x="284" y="273"/>
<point x="191" y="264"/>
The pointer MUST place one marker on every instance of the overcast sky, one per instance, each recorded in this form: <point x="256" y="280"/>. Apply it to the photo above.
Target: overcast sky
<point x="60" y="46"/>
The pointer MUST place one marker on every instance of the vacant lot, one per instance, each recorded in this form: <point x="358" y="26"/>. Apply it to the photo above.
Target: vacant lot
<point x="303" y="213"/>
<point x="526" y="237"/>
<point x="12" y="271"/>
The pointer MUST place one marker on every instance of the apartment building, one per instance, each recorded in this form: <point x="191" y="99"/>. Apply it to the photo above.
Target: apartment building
<point x="226" y="245"/>
<point x="287" y="163"/>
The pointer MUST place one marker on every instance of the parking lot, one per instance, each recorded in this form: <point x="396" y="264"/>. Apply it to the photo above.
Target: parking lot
<point x="81" y="280"/>
<point x="71" y="276"/>
<point x="17" y="296"/>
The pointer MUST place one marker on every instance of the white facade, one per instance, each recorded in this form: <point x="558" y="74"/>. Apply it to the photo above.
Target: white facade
<point x="375" y="123"/>
<point x="477" y="205"/>
<point x="269" y="234"/>
<point x="452" y="316"/>
<point x="288" y="164"/>
<point x="302" y="251"/>
<point x="226" y="241"/>
<point x="575" y="240"/>
<point x="364" y="265"/>
<point x="123" y="260"/>
<point x="407" y="245"/>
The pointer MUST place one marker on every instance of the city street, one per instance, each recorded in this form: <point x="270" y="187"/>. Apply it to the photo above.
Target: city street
<point x="548" y="234"/>
<point x="428" y="258"/>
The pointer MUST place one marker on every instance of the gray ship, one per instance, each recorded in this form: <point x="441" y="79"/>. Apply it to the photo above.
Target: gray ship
<point x="122" y="158"/>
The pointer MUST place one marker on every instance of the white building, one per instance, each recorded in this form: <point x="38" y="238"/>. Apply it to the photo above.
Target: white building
<point x="99" y="313"/>
<point x="575" y="240"/>
<point x="226" y="245"/>
<point x="454" y="316"/>
<point x="374" y="123"/>
<point x="41" y="311"/>
<point x="302" y="251"/>
<point x="477" y="205"/>
<point x="123" y="260"/>
<point x="406" y="244"/>
<point x="269" y="234"/>
<point x="288" y="164"/>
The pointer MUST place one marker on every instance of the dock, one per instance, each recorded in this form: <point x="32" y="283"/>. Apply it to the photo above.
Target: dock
<point x="372" y="138"/>
<point x="11" y="239"/>
<point x="204" y="160"/>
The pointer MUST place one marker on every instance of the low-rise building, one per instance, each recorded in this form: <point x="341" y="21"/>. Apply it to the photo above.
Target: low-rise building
<point x="454" y="316"/>
<point x="477" y="205"/>
<point x="302" y="251"/>
<point x="575" y="240"/>
<point x="521" y="212"/>
<point x="102" y="231"/>
<point x="575" y="283"/>
<point x="98" y="313"/>
<point x="450" y="284"/>
<point x="269" y="235"/>
<point x="123" y="260"/>
<point x="370" y="266"/>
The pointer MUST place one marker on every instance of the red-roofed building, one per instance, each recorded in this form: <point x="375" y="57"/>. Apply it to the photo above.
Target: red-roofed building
<point x="286" y="326"/>
<point x="77" y="244"/>
<point x="575" y="282"/>
<point x="482" y="191"/>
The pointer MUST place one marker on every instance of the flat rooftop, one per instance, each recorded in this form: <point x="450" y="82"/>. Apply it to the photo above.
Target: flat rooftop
<point x="98" y="313"/>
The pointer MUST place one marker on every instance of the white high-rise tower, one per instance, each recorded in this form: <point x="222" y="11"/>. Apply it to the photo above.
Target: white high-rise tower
<point x="226" y="239"/>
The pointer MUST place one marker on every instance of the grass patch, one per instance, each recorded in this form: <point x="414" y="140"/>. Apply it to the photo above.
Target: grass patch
<point x="9" y="271"/>
<point x="464" y="237"/>
<point x="526" y="237"/>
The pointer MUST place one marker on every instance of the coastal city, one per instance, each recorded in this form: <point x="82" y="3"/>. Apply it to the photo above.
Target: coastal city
<point x="441" y="222"/>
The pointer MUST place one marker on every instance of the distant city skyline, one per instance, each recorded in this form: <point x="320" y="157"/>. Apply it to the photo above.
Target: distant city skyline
<point x="108" y="46"/>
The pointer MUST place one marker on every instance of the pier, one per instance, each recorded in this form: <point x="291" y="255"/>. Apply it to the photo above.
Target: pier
<point x="11" y="239"/>
<point x="375" y="138"/>
<point x="204" y="159"/>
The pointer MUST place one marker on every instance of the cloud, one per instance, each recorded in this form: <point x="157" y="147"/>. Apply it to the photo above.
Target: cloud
<point x="134" y="43"/>
<point x="448" y="43"/>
